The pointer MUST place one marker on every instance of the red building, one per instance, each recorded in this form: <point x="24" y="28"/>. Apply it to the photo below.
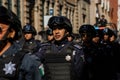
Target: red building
<point x="113" y="11"/>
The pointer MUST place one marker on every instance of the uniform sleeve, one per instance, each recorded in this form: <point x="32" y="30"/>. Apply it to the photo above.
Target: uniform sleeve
<point x="42" y="50"/>
<point x="79" y="63"/>
<point x="29" y="69"/>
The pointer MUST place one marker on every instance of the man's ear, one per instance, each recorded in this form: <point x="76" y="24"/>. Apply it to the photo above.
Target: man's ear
<point x="67" y="32"/>
<point x="11" y="33"/>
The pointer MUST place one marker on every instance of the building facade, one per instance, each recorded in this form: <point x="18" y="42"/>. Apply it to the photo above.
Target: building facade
<point x="108" y="8"/>
<point x="98" y="8"/>
<point x="118" y="14"/>
<point x="37" y="12"/>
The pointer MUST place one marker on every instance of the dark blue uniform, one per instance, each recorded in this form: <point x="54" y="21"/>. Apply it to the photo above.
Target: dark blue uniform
<point x="13" y="59"/>
<point x="116" y="58"/>
<point x="94" y="61"/>
<point x="108" y="60"/>
<point x="31" y="46"/>
<point x="100" y="61"/>
<point x="75" y="55"/>
<point x="15" y="64"/>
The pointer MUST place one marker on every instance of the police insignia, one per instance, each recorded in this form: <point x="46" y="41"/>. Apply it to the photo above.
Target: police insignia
<point x="68" y="58"/>
<point x="9" y="68"/>
<point x="41" y="70"/>
<point x="77" y="46"/>
<point x="82" y="56"/>
<point x="74" y="52"/>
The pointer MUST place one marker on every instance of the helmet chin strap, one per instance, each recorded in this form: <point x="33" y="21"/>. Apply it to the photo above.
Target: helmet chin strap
<point x="4" y="40"/>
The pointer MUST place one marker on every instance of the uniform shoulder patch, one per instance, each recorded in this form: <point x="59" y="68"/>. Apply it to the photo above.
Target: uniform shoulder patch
<point x="45" y="44"/>
<point x="78" y="46"/>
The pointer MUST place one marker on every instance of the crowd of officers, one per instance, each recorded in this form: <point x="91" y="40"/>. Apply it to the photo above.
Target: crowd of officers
<point x="95" y="57"/>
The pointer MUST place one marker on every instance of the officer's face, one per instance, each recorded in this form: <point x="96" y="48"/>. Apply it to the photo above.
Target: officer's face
<point x="112" y="38"/>
<point x="70" y="38"/>
<point x="59" y="34"/>
<point x="85" y="36"/>
<point x="106" y="37"/>
<point x="3" y="30"/>
<point x="28" y="36"/>
<point x="96" y="39"/>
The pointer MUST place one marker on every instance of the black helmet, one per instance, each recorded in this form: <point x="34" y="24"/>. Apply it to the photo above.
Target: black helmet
<point x="60" y="22"/>
<point x="49" y="32"/>
<point x="71" y="35"/>
<point x="98" y="33"/>
<point x="88" y="29"/>
<point x="29" y="29"/>
<point x="108" y="31"/>
<point x="8" y="17"/>
<point x="5" y="15"/>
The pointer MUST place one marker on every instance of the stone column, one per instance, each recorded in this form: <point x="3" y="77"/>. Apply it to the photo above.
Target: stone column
<point x="22" y="12"/>
<point x="64" y="10"/>
<point x="56" y="8"/>
<point x="75" y="20"/>
<point x="5" y="3"/>
<point x="40" y="11"/>
<point x="68" y="13"/>
<point x="46" y="8"/>
<point x="40" y="18"/>
<point x="71" y="16"/>
<point x="14" y="6"/>
<point x="26" y="15"/>
<point x="36" y="14"/>
<point x="93" y="12"/>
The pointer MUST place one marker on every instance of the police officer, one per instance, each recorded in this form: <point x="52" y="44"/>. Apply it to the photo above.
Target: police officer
<point x="97" y="38"/>
<point x="62" y="59"/>
<point x="106" y="34"/>
<point x="93" y="52"/>
<point x="116" y="56"/>
<point x="102" y="21"/>
<point x="113" y="38"/>
<point x="49" y="35"/>
<point x="31" y="44"/>
<point x="111" y="49"/>
<point x="12" y="57"/>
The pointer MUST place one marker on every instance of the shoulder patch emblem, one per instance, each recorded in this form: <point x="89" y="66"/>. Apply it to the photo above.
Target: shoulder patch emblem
<point x="41" y="70"/>
<point x="74" y="52"/>
<point x="78" y="46"/>
<point x="9" y="68"/>
<point x="45" y="44"/>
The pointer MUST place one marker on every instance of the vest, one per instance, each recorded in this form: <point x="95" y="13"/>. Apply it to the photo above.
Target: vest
<point x="58" y="65"/>
<point x="31" y="46"/>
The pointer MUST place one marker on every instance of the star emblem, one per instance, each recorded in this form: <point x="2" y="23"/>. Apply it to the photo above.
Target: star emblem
<point x="9" y="68"/>
<point x="68" y="58"/>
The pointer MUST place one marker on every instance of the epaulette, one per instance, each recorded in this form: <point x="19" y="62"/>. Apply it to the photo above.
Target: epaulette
<point x="78" y="46"/>
<point x="45" y="44"/>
